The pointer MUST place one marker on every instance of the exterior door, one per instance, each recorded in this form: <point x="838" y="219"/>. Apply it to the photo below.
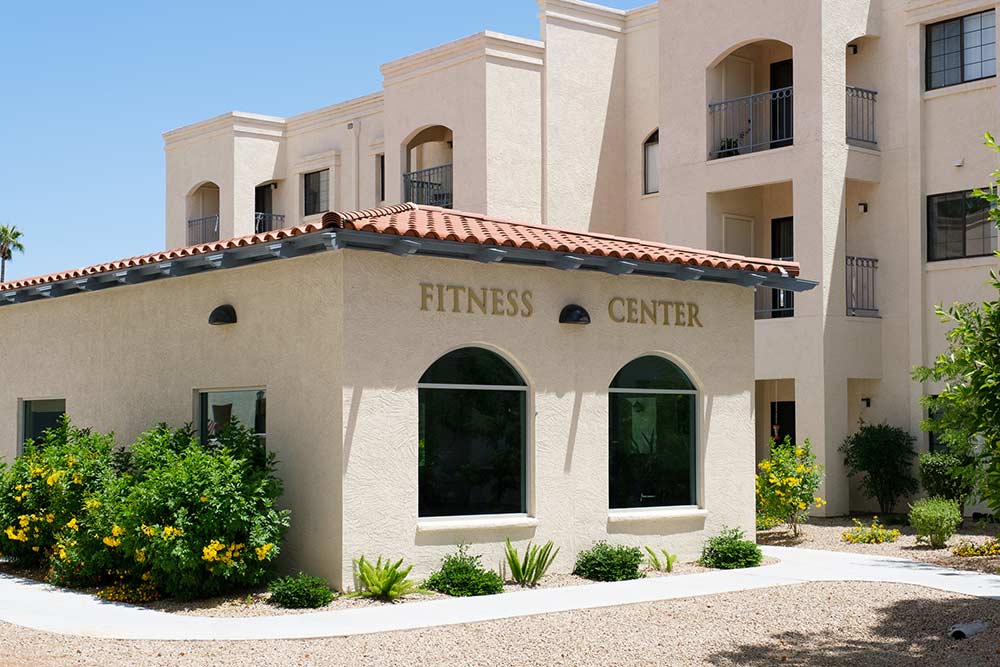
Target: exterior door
<point x="781" y="104"/>
<point x="783" y="420"/>
<point x="737" y="235"/>
<point x="782" y="247"/>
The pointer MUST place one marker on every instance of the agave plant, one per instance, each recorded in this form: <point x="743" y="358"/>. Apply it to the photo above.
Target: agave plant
<point x="385" y="581"/>
<point x="527" y="571"/>
<point x="664" y="565"/>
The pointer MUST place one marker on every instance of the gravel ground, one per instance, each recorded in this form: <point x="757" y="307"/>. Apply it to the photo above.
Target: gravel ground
<point x="819" y="624"/>
<point x="825" y="534"/>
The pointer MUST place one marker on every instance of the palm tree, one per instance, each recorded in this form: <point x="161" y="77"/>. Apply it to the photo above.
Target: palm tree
<point x="10" y="242"/>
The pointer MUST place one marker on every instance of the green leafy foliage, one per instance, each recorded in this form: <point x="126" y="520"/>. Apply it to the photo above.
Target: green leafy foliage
<point x="169" y="516"/>
<point x="787" y="483"/>
<point x="883" y="456"/>
<point x="730" y="550"/>
<point x="528" y="570"/>
<point x="876" y="533"/>
<point x="387" y="581"/>
<point x="945" y="475"/>
<point x="300" y="592"/>
<point x="666" y="564"/>
<point x="935" y="520"/>
<point x="604" y="562"/>
<point x="463" y="575"/>
<point x="767" y="522"/>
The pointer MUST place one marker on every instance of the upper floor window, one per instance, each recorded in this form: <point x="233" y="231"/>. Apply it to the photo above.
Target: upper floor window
<point x="962" y="49"/>
<point x="40" y="416"/>
<point x="959" y="225"/>
<point x="651" y="164"/>
<point x="380" y="178"/>
<point x="316" y="192"/>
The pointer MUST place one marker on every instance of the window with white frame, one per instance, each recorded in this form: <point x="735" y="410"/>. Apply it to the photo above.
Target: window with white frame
<point x="316" y="192"/>
<point x="38" y="416"/>
<point x="652" y="436"/>
<point x="651" y="164"/>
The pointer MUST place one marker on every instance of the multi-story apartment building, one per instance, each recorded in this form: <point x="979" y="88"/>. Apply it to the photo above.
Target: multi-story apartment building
<point x="843" y="133"/>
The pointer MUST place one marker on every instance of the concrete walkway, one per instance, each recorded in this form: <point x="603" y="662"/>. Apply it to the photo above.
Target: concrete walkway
<point x="43" y="607"/>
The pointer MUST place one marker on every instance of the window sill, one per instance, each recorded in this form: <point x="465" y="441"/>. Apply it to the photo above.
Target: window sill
<point x="444" y="524"/>
<point x="960" y="263"/>
<point x="650" y="195"/>
<point x="968" y="87"/>
<point x="655" y="514"/>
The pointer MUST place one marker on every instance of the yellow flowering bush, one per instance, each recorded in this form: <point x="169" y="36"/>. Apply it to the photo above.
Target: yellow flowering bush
<point x="787" y="483"/>
<point x="967" y="549"/>
<point x="876" y="533"/>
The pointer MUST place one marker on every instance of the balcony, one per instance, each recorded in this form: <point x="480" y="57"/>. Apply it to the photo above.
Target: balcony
<point x="861" y="130"/>
<point x="773" y="304"/>
<point x="203" y="230"/>
<point x="267" y="222"/>
<point x="431" y="186"/>
<point x="862" y="296"/>
<point x="750" y="124"/>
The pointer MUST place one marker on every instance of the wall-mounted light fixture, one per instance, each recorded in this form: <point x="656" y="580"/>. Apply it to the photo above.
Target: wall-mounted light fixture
<point x="960" y="162"/>
<point x="574" y="314"/>
<point x="222" y="315"/>
<point x="853" y="48"/>
<point x="862" y="207"/>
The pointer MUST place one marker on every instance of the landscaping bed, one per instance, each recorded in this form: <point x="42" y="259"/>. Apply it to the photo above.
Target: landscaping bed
<point x="825" y="534"/>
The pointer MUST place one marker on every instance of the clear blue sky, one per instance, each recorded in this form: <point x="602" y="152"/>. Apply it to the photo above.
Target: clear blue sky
<point x="88" y="88"/>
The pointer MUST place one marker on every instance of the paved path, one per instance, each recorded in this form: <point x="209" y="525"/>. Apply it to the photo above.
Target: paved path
<point x="43" y="607"/>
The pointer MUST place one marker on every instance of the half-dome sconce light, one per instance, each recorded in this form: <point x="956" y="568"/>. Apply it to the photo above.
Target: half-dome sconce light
<point x="574" y="314"/>
<point x="223" y="315"/>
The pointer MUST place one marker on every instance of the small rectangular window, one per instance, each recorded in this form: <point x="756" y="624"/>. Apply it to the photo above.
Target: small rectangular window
<point x="218" y="408"/>
<point x="651" y="165"/>
<point x="39" y="416"/>
<point x="961" y="49"/>
<point x="959" y="225"/>
<point x="316" y="192"/>
<point x="380" y="178"/>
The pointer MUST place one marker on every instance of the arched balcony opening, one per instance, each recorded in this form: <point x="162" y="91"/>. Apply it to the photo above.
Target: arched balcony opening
<point x="750" y="97"/>
<point x="428" y="178"/>
<point x="265" y="219"/>
<point x="202" y="208"/>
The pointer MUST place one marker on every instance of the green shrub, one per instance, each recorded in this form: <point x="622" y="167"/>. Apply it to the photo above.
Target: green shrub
<point x="767" y="522"/>
<point x="787" y="483"/>
<point x="664" y="565"/>
<point x="527" y="571"/>
<point x="604" y="562"/>
<point x="729" y="550"/>
<point x="883" y="456"/>
<point x="300" y="592"/>
<point x="43" y="493"/>
<point x="386" y="581"/>
<point x="464" y="575"/>
<point x="935" y="520"/>
<point x="941" y="473"/>
<point x="876" y="533"/>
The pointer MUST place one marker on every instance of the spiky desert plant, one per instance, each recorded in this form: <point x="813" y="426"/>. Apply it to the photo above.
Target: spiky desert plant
<point x="529" y="569"/>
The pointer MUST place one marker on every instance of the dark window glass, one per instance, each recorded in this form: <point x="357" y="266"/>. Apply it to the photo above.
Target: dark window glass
<point x="651" y="164"/>
<point x="316" y="195"/>
<point x="219" y="408"/>
<point x="962" y="49"/>
<point x="380" y="177"/>
<point x="934" y="442"/>
<point x="40" y="416"/>
<point x="652" y="436"/>
<point x="959" y="225"/>
<point x="472" y="437"/>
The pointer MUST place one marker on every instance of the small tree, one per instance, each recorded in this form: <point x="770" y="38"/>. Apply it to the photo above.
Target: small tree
<point x="883" y="456"/>
<point x="787" y="483"/>
<point x="10" y="242"/>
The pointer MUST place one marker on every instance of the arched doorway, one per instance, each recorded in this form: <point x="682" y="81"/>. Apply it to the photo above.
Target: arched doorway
<point x="428" y="167"/>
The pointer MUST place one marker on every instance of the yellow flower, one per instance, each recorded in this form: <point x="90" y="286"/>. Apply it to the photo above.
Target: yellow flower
<point x="204" y="499"/>
<point x="24" y="520"/>
<point x="169" y="532"/>
<point x="140" y="555"/>
<point x="34" y="548"/>
<point x="77" y="478"/>
<point x="117" y="531"/>
<point x="16" y="535"/>
<point x="211" y="552"/>
<point x="802" y="505"/>
<point x="149" y="531"/>
<point x="73" y="525"/>
<point x="37" y="471"/>
<point x="800" y="452"/>
<point x="92" y="504"/>
<point x="112" y="541"/>
<point x="263" y="551"/>
<point x="61" y="552"/>
<point x="54" y="478"/>
<point x="49" y="518"/>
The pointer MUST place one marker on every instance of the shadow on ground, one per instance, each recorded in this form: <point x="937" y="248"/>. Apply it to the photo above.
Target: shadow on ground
<point x="910" y="632"/>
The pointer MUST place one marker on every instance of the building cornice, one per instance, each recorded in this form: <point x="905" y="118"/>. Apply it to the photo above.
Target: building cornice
<point x="574" y="13"/>
<point x="931" y="11"/>
<point x="337" y="113"/>
<point x="496" y="47"/>
<point x="245" y="124"/>
<point x="642" y="18"/>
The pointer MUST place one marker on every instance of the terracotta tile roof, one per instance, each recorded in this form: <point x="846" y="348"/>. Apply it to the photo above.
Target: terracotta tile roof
<point x="431" y="222"/>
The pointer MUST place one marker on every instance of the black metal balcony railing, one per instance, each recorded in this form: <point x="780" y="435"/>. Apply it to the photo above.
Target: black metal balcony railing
<point x="267" y="222"/>
<point x="861" y="116"/>
<point x="431" y="186"/>
<point x="771" y="303"/>
<point x="203" y="230"/>
<point x="750" y="124"/>
<point x="862" y="297"/>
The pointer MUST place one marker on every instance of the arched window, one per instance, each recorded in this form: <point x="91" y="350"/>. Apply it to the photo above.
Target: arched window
<point x="651" y="164"/>
<point x="652" y="436"/>
<point x="472" y="436"/>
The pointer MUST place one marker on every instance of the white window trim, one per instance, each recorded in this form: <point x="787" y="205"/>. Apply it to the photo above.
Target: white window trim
<point x="475" y="522"/>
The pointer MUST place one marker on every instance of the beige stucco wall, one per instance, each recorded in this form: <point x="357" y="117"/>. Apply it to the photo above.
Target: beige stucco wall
<point x="128" y="358"/>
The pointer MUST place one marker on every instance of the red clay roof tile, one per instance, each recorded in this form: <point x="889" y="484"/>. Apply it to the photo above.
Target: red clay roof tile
<point x="431" y="222"/>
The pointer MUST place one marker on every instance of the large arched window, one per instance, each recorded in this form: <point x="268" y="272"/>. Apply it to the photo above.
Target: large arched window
<point x="472" y="436"/>
<point x="652" y="436"/>
<point x="651" y="164"/>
